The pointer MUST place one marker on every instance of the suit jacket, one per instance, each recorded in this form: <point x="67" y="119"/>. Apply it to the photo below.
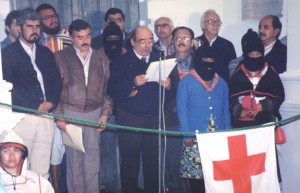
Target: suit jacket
<point x="18" y="69"/>
<point x="121" y="85"/>
<point x="277" y="57"/>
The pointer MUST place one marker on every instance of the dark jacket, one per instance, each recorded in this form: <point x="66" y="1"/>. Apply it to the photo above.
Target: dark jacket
<point x="269" y="86"/>
<point x="18" y="69"/>
<point x="76" y="96"/>
<point x="277" y="57"/>
<point x="121" y="84"/>
<point x="224" y="51"/>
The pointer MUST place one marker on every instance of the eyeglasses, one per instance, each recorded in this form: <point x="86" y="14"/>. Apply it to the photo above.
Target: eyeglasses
<point x="213" y="22"/>
<point x="185" y="39"/>
<point x="51" y="17"/>
<point x="161" y="26"/>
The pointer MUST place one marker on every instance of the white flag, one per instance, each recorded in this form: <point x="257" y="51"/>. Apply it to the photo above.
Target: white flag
<point x="239" y="161"/>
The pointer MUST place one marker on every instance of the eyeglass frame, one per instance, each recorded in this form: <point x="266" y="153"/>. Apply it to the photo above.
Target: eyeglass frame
<point x="161" y="26"/>
<point x="185" y="38"/>
<point x="51" y="17"/>
<point x="213" y="22"/>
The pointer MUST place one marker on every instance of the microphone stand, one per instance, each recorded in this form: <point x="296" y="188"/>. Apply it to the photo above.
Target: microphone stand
<point x="161" y="52"/>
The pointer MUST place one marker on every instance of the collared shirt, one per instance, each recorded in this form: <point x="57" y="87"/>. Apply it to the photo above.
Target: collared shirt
<point x="168" y="50"/>
<point x="212" y="41"/>
<point x="85" y="62"/>
<point x="269" y="47"/>
<point x="140" y="57"/>
<point x="184" y="64"/>
<point x="32" y="54"/>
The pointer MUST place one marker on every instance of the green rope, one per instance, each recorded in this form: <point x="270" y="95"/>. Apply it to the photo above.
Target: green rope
<point x="97" y="124"/>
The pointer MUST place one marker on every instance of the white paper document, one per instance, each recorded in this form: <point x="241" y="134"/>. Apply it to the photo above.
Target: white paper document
<point x="73" y="137"/>
<point x="167" y="66"/>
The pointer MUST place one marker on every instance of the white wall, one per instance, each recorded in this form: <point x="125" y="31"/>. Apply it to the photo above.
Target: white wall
<point x="188" y="12"/>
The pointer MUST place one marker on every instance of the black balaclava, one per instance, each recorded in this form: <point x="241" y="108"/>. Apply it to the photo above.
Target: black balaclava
<point x="206" y="70"/>
<point x="112" y="48"/>
<point x="251" y="42"/>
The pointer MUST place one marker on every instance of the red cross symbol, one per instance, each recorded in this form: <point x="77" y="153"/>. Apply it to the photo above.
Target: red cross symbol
<point x="240" y="167"/>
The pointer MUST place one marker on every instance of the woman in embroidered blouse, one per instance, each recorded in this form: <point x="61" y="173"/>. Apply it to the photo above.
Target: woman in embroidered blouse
<point x="202" y="104"/>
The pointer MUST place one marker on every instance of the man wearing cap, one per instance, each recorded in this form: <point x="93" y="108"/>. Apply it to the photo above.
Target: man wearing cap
<point x="256" y="91"/>
<point x="14" y="175"/>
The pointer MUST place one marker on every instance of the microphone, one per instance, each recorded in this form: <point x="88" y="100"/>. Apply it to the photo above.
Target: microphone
<point x="158" y="48"/>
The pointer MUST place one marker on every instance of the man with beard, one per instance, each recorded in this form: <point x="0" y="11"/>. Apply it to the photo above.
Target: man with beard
<point x="269" y="29"/>
<point x="52" y="36"/>
<point x="32" y="70"/>
<point x="84" y="72"/>
<point x="163" y="29"/>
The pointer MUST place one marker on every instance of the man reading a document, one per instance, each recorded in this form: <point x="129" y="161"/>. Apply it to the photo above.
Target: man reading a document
<point x="84" y="72"/>
<point x="137" y="100"/>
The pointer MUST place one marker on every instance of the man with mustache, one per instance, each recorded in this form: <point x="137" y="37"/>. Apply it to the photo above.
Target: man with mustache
<point x="183" y="40"/>
<point x="84" y="72"/>
<point x="52" y="36"/>
<point x="32" y="70"/>
<point x="269" y="30"/>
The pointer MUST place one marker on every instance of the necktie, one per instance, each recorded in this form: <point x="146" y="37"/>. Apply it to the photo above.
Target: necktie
<point x="144" y="60"/>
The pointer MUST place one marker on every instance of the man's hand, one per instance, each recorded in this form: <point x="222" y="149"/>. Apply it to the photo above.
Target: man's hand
<point x="139" y="80"/>
<point x="166" y="83"/>
<point x="45" y="106"/>
<point x="61" y="124"/>
<point x="103" y="119"/>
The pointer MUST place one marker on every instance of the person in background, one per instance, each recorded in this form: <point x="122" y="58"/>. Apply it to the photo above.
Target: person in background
<point x="109" y="164"/>
<point x="202" y="104"/>
<point x="182" y="38"/>
<point x="84" y="73"/>
<point x="275" y="52"/>
<point x="53" y="36"/>
<point x="11" y="28"/>
<point x="116" y="15"/>
<point x="224" y="50"/>
<point x="55" y="39"/>
<point x="137" y="106"/>
<point x="14" y="175"/>
<point x="163" y="28"/>
<point x="256" y="90"/>
<point x="32" y="70"/>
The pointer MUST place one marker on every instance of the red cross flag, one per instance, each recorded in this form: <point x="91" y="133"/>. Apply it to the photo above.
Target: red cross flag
<point x="239" y="161"/>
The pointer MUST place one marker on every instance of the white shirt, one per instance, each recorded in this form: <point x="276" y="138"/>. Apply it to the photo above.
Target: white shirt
<point x="85" y="63"/>
<point x="269" y="48"/>
<point x="32" y="55"/>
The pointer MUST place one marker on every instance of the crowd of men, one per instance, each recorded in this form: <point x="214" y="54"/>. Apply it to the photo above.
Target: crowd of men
<point x="102" y="79"/>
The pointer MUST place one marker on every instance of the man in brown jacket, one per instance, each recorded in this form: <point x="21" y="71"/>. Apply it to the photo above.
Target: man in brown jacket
<point x="84" y="73"/>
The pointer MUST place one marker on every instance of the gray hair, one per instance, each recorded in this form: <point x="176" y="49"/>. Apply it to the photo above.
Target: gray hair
<point x="170" y="21"/>
<point x="206" y="13"/>
<point x="27" y="14"/>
